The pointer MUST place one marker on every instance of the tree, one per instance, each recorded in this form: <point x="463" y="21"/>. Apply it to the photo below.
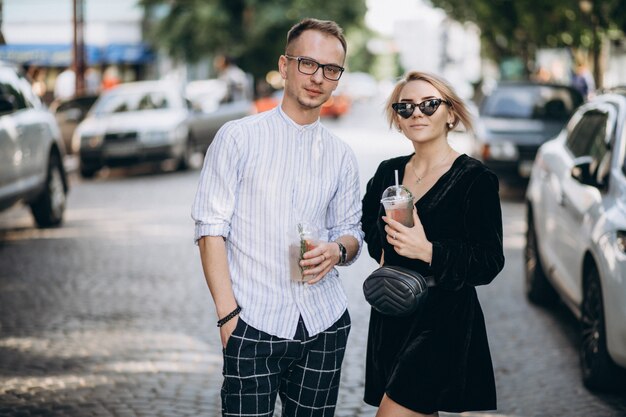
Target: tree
<point x="252" y="31"/>
<point x="519" y="27"/>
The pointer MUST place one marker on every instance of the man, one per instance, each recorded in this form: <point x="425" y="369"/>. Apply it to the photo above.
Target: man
<point x="236" y="80"/>
<point x="263" y="175"/>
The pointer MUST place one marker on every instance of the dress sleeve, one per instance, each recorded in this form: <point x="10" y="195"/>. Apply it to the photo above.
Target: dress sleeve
<point x="478" y="257"/>
<point x="371" y="208"/>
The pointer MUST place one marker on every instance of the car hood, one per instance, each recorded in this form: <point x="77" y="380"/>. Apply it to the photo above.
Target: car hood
<point x="521" y="131"/>
<point x="153" y="120"/>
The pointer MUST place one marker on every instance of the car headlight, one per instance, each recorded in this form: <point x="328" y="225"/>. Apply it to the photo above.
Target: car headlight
<point x="155" y="136"/>
<point x="506" y="151"/>
<point x="90" y="141"/>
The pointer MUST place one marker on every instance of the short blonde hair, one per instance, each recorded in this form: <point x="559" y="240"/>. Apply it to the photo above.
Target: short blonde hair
<point x="457" y="106"/>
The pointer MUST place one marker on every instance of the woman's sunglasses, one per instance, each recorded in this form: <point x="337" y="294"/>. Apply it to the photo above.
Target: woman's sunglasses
<point x="427" y="107"/>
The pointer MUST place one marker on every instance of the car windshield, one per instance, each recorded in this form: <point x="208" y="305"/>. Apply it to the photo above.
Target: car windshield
<point x="132" y="101"/>
<point x="531" y="102"/>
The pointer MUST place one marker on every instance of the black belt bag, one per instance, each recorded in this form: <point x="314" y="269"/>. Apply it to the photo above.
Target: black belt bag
<point x="396" y="291"/>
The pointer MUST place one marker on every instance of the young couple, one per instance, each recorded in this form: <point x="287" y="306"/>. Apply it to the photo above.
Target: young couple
<point x="267" y="172"/>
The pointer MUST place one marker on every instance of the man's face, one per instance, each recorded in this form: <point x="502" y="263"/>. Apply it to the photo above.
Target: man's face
<point x="308" y="92"/>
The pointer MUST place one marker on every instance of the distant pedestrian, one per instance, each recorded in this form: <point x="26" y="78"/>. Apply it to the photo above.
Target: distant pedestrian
<point x="65" y="84"/>
<point x="283" y="330"/>
<point x="582" y="80"/>
<point x="438" y="358"/>
<point x="235" y="78"/>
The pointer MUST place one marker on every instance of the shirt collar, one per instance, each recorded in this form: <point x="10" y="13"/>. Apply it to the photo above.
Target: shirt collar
<point x="300" y="128"/>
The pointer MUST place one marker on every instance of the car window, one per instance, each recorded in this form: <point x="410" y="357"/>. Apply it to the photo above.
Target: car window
<point x="588" y="137"/>
<point x="133" y="101"/>
<point x="11" y="96"/>
<point x="531" y="102"/>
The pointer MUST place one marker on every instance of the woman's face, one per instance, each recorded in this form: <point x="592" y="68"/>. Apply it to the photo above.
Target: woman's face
<point x="418" y="127"/>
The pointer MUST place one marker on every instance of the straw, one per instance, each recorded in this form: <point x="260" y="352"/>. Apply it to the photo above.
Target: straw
<point x="397" y="183"/>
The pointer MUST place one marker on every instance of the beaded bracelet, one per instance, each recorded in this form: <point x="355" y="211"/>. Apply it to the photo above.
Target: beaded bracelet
<point x="230" y="315"/>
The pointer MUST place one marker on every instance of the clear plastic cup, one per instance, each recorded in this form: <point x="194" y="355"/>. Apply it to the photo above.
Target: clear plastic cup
<point x="309" y="237"/>
<point x="398" y="203"/>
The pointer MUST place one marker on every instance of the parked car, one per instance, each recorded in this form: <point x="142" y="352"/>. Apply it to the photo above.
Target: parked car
<point x="69" y="113"/>
<point x="212" y="107"/>
<point x="147" y="121"/>
<point x="576" y="238"/>
<point x="515" y="119"/>
<point x="31" y="151"/>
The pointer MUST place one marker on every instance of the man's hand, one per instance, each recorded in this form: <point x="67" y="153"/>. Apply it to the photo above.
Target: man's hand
<point x="227" y="330"/>
<point x="320" y="261"/>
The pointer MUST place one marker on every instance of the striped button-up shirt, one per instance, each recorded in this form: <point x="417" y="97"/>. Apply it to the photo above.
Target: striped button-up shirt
<point x="263" y="175"/>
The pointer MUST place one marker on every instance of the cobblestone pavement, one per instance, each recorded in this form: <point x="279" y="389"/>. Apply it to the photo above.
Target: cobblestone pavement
<point x="110" y="315"/>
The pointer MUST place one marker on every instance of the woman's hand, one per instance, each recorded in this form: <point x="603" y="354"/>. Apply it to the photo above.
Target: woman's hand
<point x="409" y="242"/>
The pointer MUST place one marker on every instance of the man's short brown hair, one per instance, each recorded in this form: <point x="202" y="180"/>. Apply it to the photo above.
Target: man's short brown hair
<point x="325" y="26"/>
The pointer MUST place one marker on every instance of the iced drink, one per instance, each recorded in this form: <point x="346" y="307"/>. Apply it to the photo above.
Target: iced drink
<point x="308" y="239"/>
<point x="398" y="202"/>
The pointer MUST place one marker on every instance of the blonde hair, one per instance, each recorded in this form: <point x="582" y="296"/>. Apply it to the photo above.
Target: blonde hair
<point x="457" y="106"/>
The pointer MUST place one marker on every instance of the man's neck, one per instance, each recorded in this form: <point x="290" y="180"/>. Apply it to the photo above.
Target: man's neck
<point x="299" y="115"/>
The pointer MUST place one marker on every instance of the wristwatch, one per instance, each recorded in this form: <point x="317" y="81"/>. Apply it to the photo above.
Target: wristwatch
<point x="343" y="254"/>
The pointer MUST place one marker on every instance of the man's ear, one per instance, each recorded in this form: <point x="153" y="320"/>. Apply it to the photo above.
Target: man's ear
<point x="282" y="66"/>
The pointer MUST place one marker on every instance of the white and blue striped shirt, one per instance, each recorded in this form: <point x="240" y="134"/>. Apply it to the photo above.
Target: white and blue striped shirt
<point x="262" y="176"/>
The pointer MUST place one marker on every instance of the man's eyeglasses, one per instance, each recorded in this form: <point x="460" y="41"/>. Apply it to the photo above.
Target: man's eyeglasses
<point x="427" y="107"/>
<point x="309" y="66"/>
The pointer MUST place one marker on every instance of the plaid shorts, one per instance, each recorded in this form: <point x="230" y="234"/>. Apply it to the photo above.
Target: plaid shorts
<point x="305" y="372"/>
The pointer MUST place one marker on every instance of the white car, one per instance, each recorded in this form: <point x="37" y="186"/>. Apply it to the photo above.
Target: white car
<point x="576" y="239"/>
<point x="150" y="121"/>
<point x="134" y="122"/>
<point x="31" y="151"/>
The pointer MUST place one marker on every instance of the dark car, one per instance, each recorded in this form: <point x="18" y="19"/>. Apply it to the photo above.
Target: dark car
<point x="69" y="113"/>
<point x="31" y="151"/>
<point x="515" y="119"/>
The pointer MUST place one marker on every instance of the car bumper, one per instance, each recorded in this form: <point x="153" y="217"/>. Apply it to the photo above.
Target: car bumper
<point x="127" y="155"/>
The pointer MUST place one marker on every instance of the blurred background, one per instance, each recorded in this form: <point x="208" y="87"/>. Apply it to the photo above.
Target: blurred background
<point x="108" y="106"/>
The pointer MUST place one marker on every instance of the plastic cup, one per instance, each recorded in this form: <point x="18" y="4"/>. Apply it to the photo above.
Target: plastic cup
<point x="308" y="239"/>
<point x="398" y="203"/>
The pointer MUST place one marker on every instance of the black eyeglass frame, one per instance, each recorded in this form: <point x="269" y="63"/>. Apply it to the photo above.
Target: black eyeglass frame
<point x="322" y="66"/>
<point x="406" y="109"/>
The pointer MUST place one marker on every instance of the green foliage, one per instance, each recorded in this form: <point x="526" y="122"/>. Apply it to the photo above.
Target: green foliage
<point x="252" y="31"/>
<point x="519" y="27"/>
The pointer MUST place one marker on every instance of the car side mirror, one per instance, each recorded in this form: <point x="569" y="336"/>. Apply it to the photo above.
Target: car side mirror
<point x="582" y="171"/>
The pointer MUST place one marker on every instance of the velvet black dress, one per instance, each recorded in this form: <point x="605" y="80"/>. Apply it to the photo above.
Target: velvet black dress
<point x="438" y="359"/>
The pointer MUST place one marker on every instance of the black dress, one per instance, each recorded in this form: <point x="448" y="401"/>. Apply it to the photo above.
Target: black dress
<point x="438" y="359"/>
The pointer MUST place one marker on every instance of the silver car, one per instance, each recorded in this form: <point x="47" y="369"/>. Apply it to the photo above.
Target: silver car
<point x="31" y="151"/>
<point x="147" y="121"/>
<point x="576" y="239"/>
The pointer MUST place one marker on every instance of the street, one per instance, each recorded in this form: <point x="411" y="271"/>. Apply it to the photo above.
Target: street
<point x="110" y="315"/>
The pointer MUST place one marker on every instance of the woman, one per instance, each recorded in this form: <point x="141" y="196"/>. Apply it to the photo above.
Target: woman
<point x="437" y="359"/>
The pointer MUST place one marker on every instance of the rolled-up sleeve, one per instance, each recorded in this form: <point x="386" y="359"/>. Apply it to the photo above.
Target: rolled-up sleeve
<point x="214" y="203"/>
<point x="344" y="210"/>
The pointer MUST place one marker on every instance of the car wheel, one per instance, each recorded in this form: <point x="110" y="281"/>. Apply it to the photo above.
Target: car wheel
<point x="49" y="207"/>
<point x="599" y="370"/>
<point x="538" y="289"/>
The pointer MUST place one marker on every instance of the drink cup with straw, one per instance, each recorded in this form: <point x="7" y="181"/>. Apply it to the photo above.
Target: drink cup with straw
<point x="398" y="203"/>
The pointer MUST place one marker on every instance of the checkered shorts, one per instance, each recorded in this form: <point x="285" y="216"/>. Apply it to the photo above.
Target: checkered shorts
<point x="305" y="372"/>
